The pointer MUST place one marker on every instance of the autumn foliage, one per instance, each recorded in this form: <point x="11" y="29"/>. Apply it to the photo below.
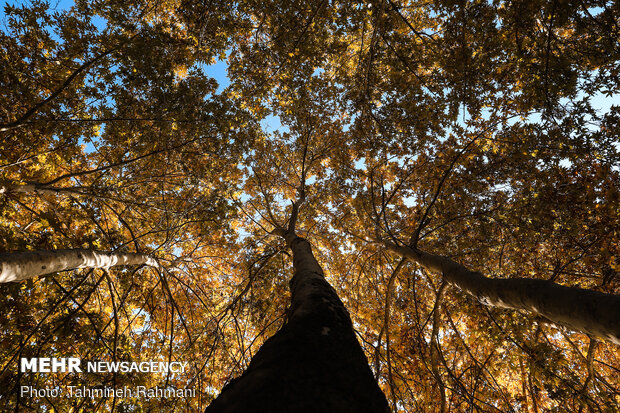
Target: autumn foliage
<point x="485" y="132"/>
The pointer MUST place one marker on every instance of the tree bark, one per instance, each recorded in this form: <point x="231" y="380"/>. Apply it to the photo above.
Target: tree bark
<point x="314" y="363"/>
<point x="585" y="311"/>
<point x="39" y="189"/>
<point x="19" y="266"/>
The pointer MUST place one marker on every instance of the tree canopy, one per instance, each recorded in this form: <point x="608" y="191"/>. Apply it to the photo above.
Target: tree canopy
<point x="485" y="132"/>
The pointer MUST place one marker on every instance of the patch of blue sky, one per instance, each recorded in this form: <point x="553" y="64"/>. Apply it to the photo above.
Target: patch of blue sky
<point x="360" y="164"/>
<point x="410" y="200"/>
<point x="318" y="71"/>
<point x="311" y="180"/>
<point x="218" y="71"/>
<point x="99" y="22"/>
<point x="273" y="123"/>
<point x="603" y="102"/>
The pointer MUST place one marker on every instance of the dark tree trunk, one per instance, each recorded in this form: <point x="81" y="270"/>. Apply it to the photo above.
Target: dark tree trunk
<point x="314" y="363"/>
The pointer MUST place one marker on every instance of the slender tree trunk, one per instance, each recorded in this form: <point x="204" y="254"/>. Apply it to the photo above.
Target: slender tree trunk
<point x="39" y="189"/>
<point x="314" y="363"/>
<point x="19" y="266"/>
<point x="585" y="311"/>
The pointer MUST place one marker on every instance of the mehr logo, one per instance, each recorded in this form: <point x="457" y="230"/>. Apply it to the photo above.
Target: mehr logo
<point x="50" y="365"/>
<point x="72" y="365"/>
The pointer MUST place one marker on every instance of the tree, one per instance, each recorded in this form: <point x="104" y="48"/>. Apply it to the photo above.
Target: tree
<point x="467" y="133"/>
<point x="21" y="266"/>
<point x="582" y="310"/>
<point x="314" y="362"/>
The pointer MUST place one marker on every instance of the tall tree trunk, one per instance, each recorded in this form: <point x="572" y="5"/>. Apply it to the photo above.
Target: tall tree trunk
<point x="586" y="311"/>
<point x="33" y="188"/>
<point x="19" y="266"/>
<point x="314" y="363"/>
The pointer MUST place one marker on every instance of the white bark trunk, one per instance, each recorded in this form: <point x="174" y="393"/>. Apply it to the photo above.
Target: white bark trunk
<point x="19" y="266"/>
<point x="39" y="189"/>
<point x="585" y="311"/>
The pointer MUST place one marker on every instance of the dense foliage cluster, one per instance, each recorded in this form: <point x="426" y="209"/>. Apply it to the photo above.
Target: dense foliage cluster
<point x="477" y="130"/>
